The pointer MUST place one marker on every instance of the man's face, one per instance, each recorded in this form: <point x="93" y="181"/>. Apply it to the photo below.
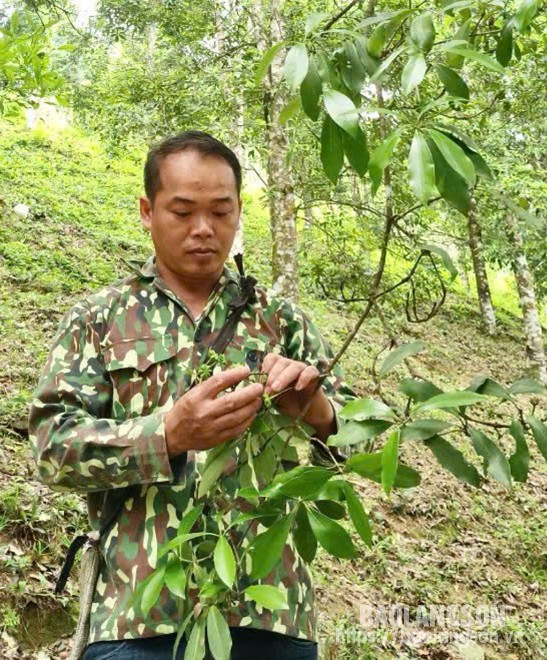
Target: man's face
<point x="195" y="215"/>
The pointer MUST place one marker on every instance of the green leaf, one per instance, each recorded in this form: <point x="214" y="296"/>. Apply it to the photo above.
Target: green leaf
<point x="370" y="467"/>
<point x="504" y="47"/>
<point x="539" y="431"/>
<point x="195" y="648"/>
<point x="475" y="56"/>
<point x="214" y="465"/>
<point x="465" y="141"/>
<point x="314" y="20"/>
<point x="481" y="168"/>
<point x="152" y="591"/>
<point x="452" y="400"/>
<point x="385" y="64"/>
<point x="218" y="634"/>
<point x="331" y="536"/>
<point x="362" y="409"/>
<point x="358" y="514"/>
<point x="422" y="32"/>
<point x="289" y="110"/>
<point x="330" y="508"/>
<point x="399" y="355"/>
<point x="380" y="158"/>
<point x="224" y="561"/>
<point x="370" y="63"/>
<point x="332" y="149"/>
<point x="445" y="258"/>
<point x="342" y="111"/>
<point x="296" y="66"/>
<point x="422" y="429"/>
<point x="525" y="13"/>
<point x="310" y="91"/>
<point x="413" y="72"/>
<point x="495" y="462"/>
<point x="270" y="597"/>
<point x="267" y="60"/>
<point x="418" y="390"/>
<point x="189" y="520"/>
<point x="454" y="84"/>
<point x="179" y="540"/>
<point x="376" y="41"/>
<point x="302" y="481"/>
<point x="421" y="168"/>
<point x="305" y="541"/>
<point x="175" y="577"/>
<point x="489" y="387"/>
<point x="267" y="547"/>
<point x="454" y="155"/>
<point x="356" y="151"/>
<point x="519" y="461"/>
<point x="452" y="187"/>
<point x="452" y="460"/>
<point x="390" y="460"/>
<point x="353" y="71"/>
<point x="527" y="386"/>
<point x="354" y="432"/>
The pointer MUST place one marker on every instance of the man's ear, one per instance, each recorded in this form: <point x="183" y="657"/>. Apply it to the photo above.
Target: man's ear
<point x="240" y="211"/>
<point x="145" y="208"/>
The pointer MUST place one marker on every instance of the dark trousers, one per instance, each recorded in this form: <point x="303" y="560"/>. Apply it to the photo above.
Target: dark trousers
<point x="247" y="644"/>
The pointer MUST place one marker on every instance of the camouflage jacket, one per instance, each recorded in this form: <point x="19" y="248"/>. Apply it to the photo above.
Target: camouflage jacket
<point x="119" y="360"/>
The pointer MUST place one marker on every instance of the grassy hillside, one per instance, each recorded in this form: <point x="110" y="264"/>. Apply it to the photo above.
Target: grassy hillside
<point x="443" y="543"/>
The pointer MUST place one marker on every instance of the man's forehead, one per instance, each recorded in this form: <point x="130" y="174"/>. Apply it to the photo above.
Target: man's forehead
<point x="199" y="171"/>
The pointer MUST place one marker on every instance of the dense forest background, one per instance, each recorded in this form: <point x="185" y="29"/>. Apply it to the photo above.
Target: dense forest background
<point x="86" y="87"/>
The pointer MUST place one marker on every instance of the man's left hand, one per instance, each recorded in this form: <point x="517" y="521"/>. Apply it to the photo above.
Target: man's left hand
<point x="285" y="373"/>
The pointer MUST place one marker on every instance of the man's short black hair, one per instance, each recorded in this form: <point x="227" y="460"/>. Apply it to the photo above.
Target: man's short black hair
<point x="199" y="141"/>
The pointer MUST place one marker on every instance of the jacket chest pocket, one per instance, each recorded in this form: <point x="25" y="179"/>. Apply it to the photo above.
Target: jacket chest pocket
<point x="142" y="373"/>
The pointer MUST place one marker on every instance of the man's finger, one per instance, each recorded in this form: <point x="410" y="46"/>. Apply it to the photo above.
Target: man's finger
<point x="235" y="400"/>
<point x="269" y="360"/>
<point x="238" y="416"/>
<point x="221" y="381"/>
<point x="307" y="376"/>
<point x="275" y="369"/>
<point x="279" y="381"/>
<point x="228" y="434"/>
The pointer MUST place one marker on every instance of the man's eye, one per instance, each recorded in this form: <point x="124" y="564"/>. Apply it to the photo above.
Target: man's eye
<point x="220" y="214"/>
<point x="182" y="214"/>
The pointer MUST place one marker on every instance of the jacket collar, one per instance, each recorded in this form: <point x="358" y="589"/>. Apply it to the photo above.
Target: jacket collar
<point x="147" y="270"/>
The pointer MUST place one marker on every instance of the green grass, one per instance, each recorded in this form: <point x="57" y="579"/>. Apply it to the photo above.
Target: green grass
<point x="441" y="543"/>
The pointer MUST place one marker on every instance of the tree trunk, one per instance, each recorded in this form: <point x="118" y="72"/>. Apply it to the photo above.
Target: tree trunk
<point x="479" y="267"/>
<point x="236" y="132"/>
<point x="269" y="30"/>
<point x="535" y="349"/>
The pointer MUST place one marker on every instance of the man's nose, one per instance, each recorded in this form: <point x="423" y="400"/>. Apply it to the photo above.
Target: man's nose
<point x="202" y="225"/>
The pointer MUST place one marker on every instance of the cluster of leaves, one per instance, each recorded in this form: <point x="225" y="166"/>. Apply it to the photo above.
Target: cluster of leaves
<point x="434" y="47"/>
<point x="203" y="565"/>
<point x="26" y="73"/>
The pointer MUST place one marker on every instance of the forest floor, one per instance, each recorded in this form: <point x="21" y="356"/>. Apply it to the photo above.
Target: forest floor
<point x="441" y="544"/>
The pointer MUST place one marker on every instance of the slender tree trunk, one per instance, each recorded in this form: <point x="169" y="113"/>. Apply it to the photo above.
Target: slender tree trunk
<point x="236" y="133"/>
<point x="479" y="266"/>
<point x="269" y="30"/>
<point x="535" y="349"/>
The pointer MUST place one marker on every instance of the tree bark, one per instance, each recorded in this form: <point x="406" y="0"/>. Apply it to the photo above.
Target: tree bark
<point x="535" y="349"/>
<point x="269" y="30"/>
<point x="479" y="266"/>
<point x="236" y="132"/>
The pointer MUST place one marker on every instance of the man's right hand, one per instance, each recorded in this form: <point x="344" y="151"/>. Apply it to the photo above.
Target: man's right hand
<point x="200" y="420"/>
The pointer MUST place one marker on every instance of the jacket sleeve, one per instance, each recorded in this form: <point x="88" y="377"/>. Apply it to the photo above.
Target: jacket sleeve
<point x="303" y="342"/>
<point x="76" y="443"/>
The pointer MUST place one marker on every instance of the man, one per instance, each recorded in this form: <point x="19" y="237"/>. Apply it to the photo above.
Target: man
<point x="114" y="407"/>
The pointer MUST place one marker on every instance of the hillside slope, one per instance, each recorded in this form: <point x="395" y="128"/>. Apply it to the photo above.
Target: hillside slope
<point x="443" y="543"/>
